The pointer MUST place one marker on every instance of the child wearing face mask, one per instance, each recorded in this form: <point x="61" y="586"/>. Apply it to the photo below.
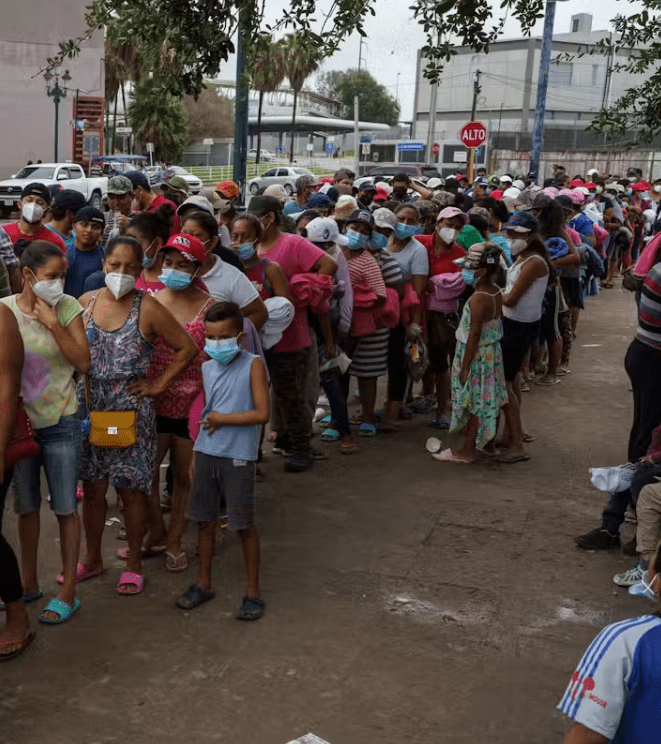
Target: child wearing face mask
<point x="225" y="453"/>
<point x="478" y="379"/>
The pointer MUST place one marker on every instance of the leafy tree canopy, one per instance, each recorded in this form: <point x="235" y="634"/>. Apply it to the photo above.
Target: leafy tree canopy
<point x="159" y="118"/>
<point x="210" y="116"/>
<point x="374" y="101"/>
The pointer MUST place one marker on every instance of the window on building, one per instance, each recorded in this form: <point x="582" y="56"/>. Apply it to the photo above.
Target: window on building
<point x="574" y="26"/>
<point x="560" y="74"/>
<point x="595" y="74"/>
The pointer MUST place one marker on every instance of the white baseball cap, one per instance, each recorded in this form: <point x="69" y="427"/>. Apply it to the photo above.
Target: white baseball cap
<point x="199" y="202"/>
<point x="505" y="179"/>
<point x="384" y="218"/>
<point x="325" y="230"/>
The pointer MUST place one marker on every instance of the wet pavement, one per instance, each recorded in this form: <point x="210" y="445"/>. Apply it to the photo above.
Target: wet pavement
<point x="407" y="600"/>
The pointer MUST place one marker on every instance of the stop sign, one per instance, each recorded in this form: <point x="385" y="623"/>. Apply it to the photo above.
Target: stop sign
<point x="435" y="148"/>
<point x="473" y="134"/>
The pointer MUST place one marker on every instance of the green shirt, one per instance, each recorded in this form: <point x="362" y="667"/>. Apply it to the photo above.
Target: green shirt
<point x="47" y="383"/>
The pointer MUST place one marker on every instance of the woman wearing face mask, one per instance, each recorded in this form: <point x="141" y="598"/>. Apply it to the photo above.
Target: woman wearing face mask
<point x="223" y="281"/>
<point x="613" y="694"/>
<point x="443" y="291"/>
<point x="527" y="280"/>
<point x="414" y="263"/>
<point x="152" y="229"/>
<point x="182" y="260"/>
<point x="266" y="275"/>
<point x="122" y="326"/>
<point x="51" y="326"/>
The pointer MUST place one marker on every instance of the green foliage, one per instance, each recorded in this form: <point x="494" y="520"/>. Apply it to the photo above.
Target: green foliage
<point x="211" y="115"/>
<point x="375" y="103"/>
<point x="157" y="116"/>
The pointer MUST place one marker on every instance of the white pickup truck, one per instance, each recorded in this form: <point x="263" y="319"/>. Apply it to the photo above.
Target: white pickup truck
<point x="57" y="175"/>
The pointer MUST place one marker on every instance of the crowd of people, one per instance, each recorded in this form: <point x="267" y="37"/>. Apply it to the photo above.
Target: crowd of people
<point x="187" y="327"/>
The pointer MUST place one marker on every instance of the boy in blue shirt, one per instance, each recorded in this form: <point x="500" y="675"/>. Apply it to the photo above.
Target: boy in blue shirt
<point x="85" y="257"/>
<point x="237" y="405"/>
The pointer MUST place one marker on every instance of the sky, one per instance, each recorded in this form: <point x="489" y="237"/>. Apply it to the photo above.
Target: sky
<point x="389" y="52"/>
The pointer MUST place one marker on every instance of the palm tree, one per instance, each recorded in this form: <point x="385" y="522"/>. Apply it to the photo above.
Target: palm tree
<point x="302" y="59"/>
<point x="122" y="63"/>
<point x="156" y="116"/>
<point x="267" y="66"/>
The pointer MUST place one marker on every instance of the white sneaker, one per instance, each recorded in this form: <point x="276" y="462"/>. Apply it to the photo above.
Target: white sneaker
<point x="629" y="578"/>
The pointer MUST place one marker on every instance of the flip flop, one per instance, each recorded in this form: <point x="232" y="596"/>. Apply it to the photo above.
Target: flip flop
<point x="175" y="563"/>
<point x="527" y="438"/>
<point x="16" y="652"/>
<point x="82" y="574"/>
<point x="367" y="430"/>
<point x="447" y="456"/>
<point x="330" y="435"/>
<point x="325" y="420"/>
<point x="439" y="422"/>
<point x="193" y="597"/>
<point x="27" y="599"/>
<point x="510" y="457"/>
<point x="348" y="448"/>
<point x="252" y="608"/>
<point x="153" y="552"/>
<point x="62" y="609"/>
<point x="128" y="578"/>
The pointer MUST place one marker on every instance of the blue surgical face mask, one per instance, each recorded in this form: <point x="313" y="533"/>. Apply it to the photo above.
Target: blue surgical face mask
<point x="468" y="275"/>
<point x="147" y="262"/>
<point x="644" y="589"/>
<point x="644" y="195"/>
<point x="357" y="241"/>
<point x="404" y="232"/>
<point x="246" y="251"/>
<point x="175" y="279"/>
<point x="223" y="350"/>
<point x="629" y="192"/>
<point x="378" y="241"/>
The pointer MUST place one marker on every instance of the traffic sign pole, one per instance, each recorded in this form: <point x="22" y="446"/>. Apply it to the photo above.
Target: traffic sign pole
<point x="472" y="135"/>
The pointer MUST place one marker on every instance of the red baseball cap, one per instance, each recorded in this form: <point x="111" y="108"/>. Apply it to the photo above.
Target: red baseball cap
<point x="577" y="182"/>
<point x="228" y="188"/>
<point x="190" y="248"/>
<point x="381" y="194"/>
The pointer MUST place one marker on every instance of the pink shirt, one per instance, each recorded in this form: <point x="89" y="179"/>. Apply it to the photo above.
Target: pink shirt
<point x="296" y="255"/>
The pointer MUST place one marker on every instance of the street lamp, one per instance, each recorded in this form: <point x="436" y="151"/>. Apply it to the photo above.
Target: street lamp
<point x="57" y="94"/>
<point x="542" y="86"/>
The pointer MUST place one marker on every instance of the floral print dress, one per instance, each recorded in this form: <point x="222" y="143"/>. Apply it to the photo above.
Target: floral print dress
<point x="484" y="392"/>
<point x="118" y="358"/>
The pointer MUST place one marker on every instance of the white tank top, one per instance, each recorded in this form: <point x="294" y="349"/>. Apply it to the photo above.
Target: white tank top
<point x="529" y="307"/>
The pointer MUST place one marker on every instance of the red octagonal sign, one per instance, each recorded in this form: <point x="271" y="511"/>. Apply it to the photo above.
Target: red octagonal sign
<point x="473" y="134"/>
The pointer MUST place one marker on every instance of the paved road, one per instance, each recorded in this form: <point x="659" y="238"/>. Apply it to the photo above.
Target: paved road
<point x="408" y="601"/>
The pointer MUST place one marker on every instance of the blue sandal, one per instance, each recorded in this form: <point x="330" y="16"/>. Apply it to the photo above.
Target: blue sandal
<point x="438" y="422"/>
<point x="330" y="435"/>
<point x="325" y="420"/>
<point x="252" y="608"/>
<point x="60" y="608"/>
<point x="27" y="598"/>
<point x="367" y="430"/>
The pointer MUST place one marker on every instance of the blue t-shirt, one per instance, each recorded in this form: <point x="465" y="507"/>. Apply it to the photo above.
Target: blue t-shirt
<point x="81" y="265"/>
<point x="227" y="389"/>
<point x="582" y="224"/>
<point x="69" y="242"/>
<point x="292" y="207"/>
<point x="616" y="688"/>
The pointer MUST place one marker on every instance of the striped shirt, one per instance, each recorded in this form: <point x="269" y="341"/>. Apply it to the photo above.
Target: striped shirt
<point x="649" y="313"/>
<point x="616" y="688"/>
<point x="365" y="270"/>
<point x="390" y="269"/>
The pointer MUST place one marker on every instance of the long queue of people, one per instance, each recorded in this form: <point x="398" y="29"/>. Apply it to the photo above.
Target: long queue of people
<point x="176" y="324"/>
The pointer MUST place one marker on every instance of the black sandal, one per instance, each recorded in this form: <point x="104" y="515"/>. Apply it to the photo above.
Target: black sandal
<point x="193" y="597"/>
<point x="252" y="608"/>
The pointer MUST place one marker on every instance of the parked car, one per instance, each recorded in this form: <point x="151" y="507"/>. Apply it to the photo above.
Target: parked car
<point x="386" y="172"/>
<point x="194" y="183"/>
<point x="264" y="156"/>
<point x="285" y="176"/>
<point x="56" y="176"/>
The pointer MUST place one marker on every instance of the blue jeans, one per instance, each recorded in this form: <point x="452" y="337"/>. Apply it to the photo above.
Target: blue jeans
<point x="60" y="457"/>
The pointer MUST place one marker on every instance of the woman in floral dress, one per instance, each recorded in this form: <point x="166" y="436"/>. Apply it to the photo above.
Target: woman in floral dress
<point x="478" y="380"/>
<point x="122" y="324"/>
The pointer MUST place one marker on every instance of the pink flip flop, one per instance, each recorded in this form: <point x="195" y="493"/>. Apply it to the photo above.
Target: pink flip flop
<point x="447" y="456"/>
<point x="128" y="579"/>
<point x="82" y="574"/>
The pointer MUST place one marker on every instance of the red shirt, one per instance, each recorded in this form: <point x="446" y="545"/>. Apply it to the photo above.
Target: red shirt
<point x="14" y="232"/>
<point x="159" y="200"/>
<point x="296" y="255"/>
<point x="441" y="263"/>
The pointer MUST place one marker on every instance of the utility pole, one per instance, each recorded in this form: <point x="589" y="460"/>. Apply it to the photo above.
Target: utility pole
<point x="542" y="87"/>
<point x="433" y="98"/>
<point x="356" y="138"/>
<point x="471" y="152"/>
<point x="241" y="109"/>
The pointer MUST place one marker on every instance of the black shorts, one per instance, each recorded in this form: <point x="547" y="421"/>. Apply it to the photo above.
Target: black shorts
<point x="222" y="481"/>
<point x="549" y="330"/>
<point x="571" y="288"/>
<point x="441" y="330"/>
<point x="175" y="426"/>
<point x="516" y="343"/>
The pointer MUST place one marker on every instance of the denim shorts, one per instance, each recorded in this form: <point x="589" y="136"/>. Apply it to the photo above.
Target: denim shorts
<point x="60" y="457"/>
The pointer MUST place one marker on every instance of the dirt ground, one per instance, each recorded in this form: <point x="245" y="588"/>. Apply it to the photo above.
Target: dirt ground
<point x="407" y="600"/>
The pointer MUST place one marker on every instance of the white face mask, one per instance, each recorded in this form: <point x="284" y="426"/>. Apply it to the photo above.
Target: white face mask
<point x="599" y="189"/>
<point x="447" y="235"/>
<point x="517" y="245"/>
<point x="657" y="188"/>
<point x="119" y="284"/>
<point x="49" y="290"/>
<point x="32" y="212"/>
